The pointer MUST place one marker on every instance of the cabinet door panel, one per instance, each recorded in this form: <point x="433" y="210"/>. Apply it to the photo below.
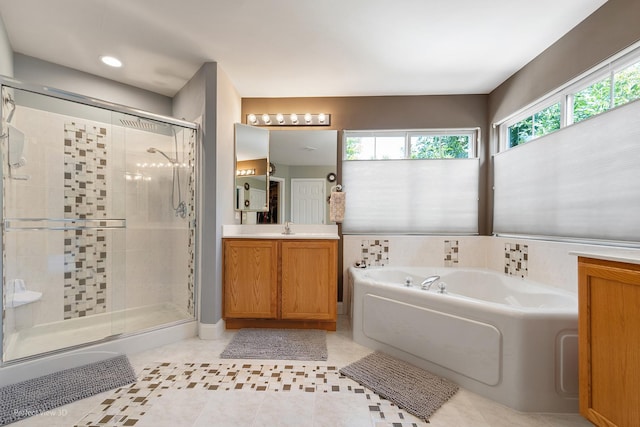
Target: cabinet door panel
<point x="309" y="287"/>
<point x="250" y="279"/>
<point x="609" y="299"/>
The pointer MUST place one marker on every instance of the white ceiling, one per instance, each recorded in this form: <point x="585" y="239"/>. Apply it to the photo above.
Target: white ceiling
<point x="281" y="48"/>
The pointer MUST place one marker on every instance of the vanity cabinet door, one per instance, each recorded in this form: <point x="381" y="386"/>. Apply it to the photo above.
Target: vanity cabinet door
<point x="308" y="282"/>
<point x="250" y="279"/>
<point x="609" y="342"/>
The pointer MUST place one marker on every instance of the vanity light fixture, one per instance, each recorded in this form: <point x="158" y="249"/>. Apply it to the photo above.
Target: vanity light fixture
<point x="293" y="119"/>
<point x="245" y="172"/>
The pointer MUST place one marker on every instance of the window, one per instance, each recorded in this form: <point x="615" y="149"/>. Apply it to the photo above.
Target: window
<point x="592" y="100"/>
<point x="423" y="144"/>
<point x="610" y="85"/>
<point x="626" y="85"/>
<point x="541" y="123"/>
<point x="374" y="146"/>
<point x="414" y="182"/>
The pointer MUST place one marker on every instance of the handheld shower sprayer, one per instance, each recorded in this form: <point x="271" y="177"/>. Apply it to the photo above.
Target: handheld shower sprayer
<point x="179" y="206"/>
<point x="153" y="150"/>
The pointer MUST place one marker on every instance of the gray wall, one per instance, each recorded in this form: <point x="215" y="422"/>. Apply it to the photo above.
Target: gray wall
<point x="196" y="101"/>
<point x="32" y="70"/>
<point x="609" y="30"/>
<point x="393" y="112"/>
<point x="210" y="99"/>
<point x="6" y="53"/>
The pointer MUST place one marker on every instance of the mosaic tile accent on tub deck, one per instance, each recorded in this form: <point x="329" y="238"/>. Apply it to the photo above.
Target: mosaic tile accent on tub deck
<point x="375" y="253"/>
<point x="451" y="250"/>
<point x="128" y="405"/>
<point x="516" y="259"/>
<point x="85" y="197"/>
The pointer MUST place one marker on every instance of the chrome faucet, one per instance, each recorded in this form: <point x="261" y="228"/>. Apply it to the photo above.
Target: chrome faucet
<point x="287" y="228"/>
<point x="426" y="283"/>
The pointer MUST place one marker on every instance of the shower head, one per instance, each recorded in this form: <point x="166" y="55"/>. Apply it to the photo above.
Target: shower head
<point x="154" y="150"/>
<point x="11" y="105"/>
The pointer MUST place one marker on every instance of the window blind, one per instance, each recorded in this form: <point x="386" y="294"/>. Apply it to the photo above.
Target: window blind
<point x="582" y="181"/>
<point x="411" y="196"/>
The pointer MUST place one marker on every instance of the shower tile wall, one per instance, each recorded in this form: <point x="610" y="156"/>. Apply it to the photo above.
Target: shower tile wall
<point x="159" y="244"/>
<point x="145" y="264"/>
<point x="36" y="190"/>
<point x="192" y="229"/>
<point x="85" y="251"/>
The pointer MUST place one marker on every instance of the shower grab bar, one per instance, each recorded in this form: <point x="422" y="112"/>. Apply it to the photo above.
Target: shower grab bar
<point x="17" y="224"/>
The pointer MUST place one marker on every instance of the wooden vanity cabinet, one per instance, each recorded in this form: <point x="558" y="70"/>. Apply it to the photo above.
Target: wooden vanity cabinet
<point x="287" y="283"/>
<point x="250" y="279"/>
<point x="609" y="342"/>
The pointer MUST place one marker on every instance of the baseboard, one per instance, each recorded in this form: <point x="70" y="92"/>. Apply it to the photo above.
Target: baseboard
<point x="208" y="331"/>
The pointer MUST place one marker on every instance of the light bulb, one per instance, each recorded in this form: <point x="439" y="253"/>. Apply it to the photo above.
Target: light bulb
<point x="252" y="119"/>
<point x="307" y="118"/>
<point x="266" y="119"/>
<point x="280" y="118"/>
<point x="294" y="118"/>
<point x="322" y="117"/>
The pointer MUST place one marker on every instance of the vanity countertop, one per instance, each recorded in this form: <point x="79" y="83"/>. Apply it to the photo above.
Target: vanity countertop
<point x="276" y="231"/>
<point x="631" y="256"/>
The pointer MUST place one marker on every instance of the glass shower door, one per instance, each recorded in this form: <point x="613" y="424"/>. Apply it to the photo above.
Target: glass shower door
<point x="64" y="224"/>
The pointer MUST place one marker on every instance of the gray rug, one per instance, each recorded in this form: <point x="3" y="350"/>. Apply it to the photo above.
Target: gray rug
<point x="283" y="344"/>
<point x="416" y="391"/>
<point x="37" y="395"/>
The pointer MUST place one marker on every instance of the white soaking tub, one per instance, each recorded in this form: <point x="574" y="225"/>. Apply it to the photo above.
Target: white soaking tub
<point x="512" y="340"/>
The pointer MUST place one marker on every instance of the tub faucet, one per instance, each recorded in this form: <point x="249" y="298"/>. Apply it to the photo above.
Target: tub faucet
<point x="426" y="283"/>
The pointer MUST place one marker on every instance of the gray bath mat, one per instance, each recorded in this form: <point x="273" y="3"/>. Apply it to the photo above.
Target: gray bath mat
<point x="416" y="391"/>
<point x="284" y="344"/>
<point x="37" y="395"/>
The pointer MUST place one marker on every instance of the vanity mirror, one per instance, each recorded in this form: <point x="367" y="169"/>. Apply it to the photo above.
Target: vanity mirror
<point x="298" y="188"/>
<point x="252" y="168"/>
<point x="283" y="175"/>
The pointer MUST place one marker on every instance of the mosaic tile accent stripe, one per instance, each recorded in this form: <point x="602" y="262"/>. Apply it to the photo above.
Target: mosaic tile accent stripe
<point x="128" y="405"/>
<point x="85" y="197"/>
<point x="375" y="252"/>
<point x="191" y="206"/>
<point x="451" y="250"/>
<point x="516" y="259"/>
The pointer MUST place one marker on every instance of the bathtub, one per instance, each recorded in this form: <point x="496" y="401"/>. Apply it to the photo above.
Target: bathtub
<point x="511" y="340"/>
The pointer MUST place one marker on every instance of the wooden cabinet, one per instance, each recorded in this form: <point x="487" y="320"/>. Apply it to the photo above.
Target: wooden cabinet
<point x="609" y="342"/>
<point x="250" y="279"/>
<point x="280" y="283"/>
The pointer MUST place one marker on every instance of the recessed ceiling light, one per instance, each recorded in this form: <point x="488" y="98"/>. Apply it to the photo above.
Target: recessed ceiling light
<point x="111" y="61"/>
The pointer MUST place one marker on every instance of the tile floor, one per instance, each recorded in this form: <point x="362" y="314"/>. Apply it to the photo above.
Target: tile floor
<point x="187" y="384"/>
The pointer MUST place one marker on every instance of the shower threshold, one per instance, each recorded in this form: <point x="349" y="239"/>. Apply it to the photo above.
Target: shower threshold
<point x="86" y="330"/>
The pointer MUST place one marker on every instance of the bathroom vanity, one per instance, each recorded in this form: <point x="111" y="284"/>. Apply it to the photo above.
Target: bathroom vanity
<point x="609" y="333"/>
<point x="277" y="280"/>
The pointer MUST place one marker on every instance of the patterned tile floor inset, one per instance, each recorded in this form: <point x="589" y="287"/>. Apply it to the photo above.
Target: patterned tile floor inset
<point x="127" y="406"/>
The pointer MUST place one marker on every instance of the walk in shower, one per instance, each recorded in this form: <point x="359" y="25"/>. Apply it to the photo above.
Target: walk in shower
<point x="98" y="221"/>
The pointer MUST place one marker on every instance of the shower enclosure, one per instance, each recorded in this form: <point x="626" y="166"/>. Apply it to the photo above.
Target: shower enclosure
<point x="98" y="221"/>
